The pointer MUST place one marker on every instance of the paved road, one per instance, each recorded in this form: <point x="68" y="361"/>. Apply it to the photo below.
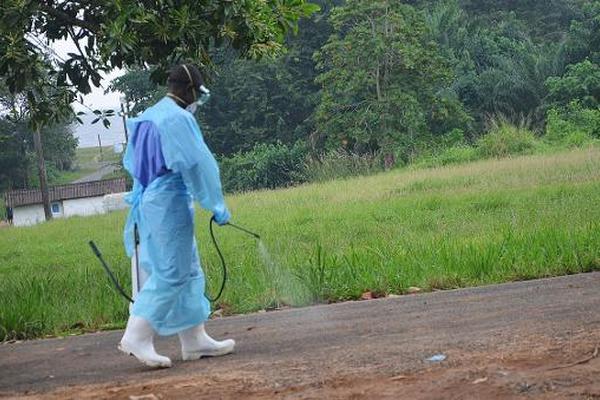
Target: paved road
<point x="284" y="349"/>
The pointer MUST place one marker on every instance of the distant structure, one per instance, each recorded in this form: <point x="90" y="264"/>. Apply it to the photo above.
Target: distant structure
<point x="88" y="198"/>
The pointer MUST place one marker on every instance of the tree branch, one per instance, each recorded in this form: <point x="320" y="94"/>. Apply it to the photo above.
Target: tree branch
<point x="64" y="17"/>
<point x="83" y="56"/>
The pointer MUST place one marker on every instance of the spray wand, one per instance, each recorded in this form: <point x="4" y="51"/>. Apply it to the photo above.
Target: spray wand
<point x="122" y="292"/>
<point x="256" y="235"/>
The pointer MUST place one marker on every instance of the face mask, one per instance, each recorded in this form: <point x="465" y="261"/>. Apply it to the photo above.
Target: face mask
<point x="204" y="96"/>
<point x="192" y="108"/>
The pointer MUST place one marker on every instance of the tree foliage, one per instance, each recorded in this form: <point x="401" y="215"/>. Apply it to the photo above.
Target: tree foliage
<point x="383" y="81"/>
<point x="444" y="66"/>
<point x="253" y="101"/>
<point x="581" y="82"/>
<point x="115" y="34"/>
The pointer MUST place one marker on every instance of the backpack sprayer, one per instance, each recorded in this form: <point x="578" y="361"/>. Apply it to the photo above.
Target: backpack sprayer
<point x="123" y="293"/>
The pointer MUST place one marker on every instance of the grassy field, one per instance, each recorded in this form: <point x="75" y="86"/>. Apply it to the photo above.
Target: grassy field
<point x="87" y="161"/>
<point x="474" y="224"/>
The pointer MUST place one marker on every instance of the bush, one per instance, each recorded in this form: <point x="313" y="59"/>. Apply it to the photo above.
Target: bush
<point x="341" y="164"/>
<point x="505" y="139"/>
<point x="266" y="166"/>
<point x="454" y="138"/>
<point x="270" y="166"/>
<point x="572" y="126"/>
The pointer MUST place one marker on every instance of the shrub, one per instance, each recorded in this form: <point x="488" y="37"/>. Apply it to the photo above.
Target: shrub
<point x="454" y="138"/>
<point x="269" y="166"/>
<point x="505" y="139"/>
<point x="266" y="166"/>
<point x="572" y="126"/>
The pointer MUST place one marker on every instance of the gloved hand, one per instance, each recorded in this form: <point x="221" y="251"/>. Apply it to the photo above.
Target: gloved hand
<point x="222" y="217"/>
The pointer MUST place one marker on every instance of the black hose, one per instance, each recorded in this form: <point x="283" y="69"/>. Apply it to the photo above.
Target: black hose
<point x="214" y="240"/>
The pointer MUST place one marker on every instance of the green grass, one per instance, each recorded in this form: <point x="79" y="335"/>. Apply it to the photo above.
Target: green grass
<point x="90" y="157"/>
<point x="474" y="224"/>
<point x="87" y="161"/>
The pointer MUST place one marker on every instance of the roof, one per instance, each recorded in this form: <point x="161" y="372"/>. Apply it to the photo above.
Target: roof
<point x="16" y="198"/>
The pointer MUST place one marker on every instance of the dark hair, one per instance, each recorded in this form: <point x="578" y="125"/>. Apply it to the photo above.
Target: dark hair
<point x="179" y="79"/>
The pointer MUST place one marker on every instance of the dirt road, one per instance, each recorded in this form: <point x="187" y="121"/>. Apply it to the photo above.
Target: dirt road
<point x="525" y="340"/>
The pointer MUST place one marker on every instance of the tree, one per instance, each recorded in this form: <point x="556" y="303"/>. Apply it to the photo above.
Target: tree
<point x="583" y="41"/>
<point x="43" y="104"/>
<point x="543" y="20"/>
<point x="499" y="55"/>
<point x="17" y="152"/>
<point x="13" y="156"/>
<point x="269" y="101"/>
<point x="381" y="77"/>
<point x="252" y="103"/>
<point x="581" y="82"/>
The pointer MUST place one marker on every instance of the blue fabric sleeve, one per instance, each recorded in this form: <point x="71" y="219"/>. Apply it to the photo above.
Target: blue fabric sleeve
<point x="185" y="152"/>
<point x="149" y="160"/>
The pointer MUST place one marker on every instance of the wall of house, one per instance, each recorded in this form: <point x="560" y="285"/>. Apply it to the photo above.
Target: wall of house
<point x="114" y="202"/>
<point x="28" y="215"/>
<point x="34" y="214"/>
<point x="83" y="207"/>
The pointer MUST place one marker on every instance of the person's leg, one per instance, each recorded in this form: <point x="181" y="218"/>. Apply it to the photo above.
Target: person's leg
<point x="138" y="339"/>
<point x="195" y="342"/>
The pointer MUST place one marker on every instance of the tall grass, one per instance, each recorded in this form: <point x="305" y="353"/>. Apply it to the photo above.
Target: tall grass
<point x="505" y="139"/>
<point x="340" y="164"/>
<point x="473" y="224"/>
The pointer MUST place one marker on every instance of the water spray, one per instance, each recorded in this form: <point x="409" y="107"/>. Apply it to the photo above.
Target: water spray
<point x="122" y="292"/>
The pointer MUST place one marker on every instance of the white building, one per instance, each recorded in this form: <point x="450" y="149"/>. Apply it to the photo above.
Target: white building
<point x="88" y="198"/>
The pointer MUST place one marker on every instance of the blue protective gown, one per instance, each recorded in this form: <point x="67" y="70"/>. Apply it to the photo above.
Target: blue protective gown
<point x="170" y="165"/>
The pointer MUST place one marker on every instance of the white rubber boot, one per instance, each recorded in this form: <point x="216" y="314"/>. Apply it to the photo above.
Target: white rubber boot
<point x="195" y="343"/>
<point x="138" y="341"/>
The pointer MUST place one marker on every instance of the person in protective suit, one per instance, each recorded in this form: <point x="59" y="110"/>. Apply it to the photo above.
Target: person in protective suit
<point x="171" y="166"/>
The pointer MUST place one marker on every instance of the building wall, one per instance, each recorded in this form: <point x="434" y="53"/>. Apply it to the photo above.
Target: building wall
<point x="114" y="202"/>
<point x="28" y="215"/>
<point x="83" y="207"/>
<point x="34" y="214"/>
